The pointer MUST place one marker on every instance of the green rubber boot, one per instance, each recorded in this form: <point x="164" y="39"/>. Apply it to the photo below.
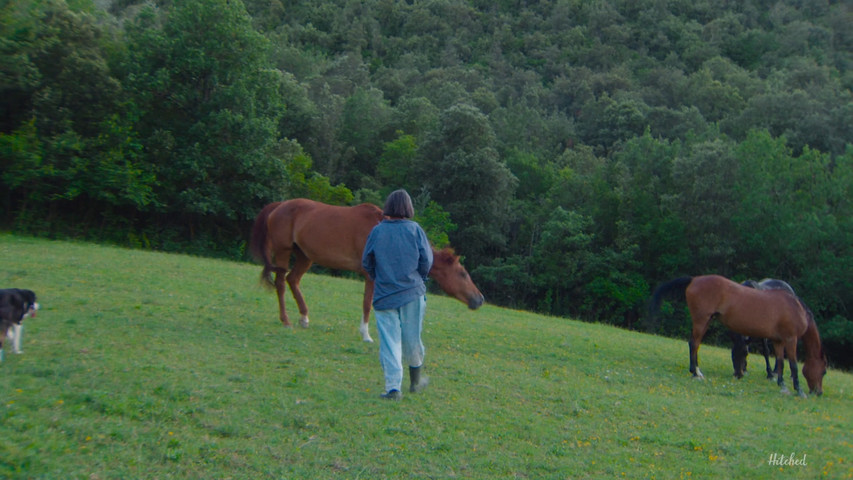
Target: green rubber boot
<point x="419" y="381"/>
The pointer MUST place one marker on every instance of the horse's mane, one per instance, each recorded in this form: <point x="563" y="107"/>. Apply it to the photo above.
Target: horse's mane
<point x="812" y="336"/>
<point x="445" y="255"/>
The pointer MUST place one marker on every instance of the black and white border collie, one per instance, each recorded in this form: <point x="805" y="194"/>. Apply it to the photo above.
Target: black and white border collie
<point x="15" y="305"/>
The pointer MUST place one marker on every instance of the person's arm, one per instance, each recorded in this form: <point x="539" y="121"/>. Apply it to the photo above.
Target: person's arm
<point x="425" y="254"/>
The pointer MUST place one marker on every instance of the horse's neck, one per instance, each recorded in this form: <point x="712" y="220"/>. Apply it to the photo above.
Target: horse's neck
<point x="811" y="340"/>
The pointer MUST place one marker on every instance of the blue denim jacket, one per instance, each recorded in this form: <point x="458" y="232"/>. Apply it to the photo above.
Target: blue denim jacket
<point x="398" y="258"/>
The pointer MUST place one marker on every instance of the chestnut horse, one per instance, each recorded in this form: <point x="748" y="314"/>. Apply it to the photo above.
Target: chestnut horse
<point x="334" y="237"/>
<point x="773" y="314"/>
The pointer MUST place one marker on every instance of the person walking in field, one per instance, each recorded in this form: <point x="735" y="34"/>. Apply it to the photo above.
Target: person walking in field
<point x="398" y="257"/>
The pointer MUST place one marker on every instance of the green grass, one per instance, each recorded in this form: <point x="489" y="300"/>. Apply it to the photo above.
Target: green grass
<point x="148" y="365"/>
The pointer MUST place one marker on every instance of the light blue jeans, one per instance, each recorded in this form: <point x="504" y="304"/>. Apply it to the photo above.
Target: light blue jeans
<point x="400" y="340"/>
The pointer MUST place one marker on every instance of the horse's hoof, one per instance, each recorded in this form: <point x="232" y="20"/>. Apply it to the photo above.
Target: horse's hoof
<point x="303" y="322"/>
<point x="785" y="391"/>
<point x="368" y="339"/>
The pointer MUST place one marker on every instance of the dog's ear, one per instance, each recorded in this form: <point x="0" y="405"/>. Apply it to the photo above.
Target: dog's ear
<point x="28" y="297"/>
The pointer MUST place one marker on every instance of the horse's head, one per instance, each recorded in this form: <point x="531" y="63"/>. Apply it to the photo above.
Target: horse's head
<point x="814" y="369"/>
<point x="454" y="279"/>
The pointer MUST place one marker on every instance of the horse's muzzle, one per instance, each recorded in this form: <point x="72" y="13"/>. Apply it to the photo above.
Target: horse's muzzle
<point x="476" y="301"/>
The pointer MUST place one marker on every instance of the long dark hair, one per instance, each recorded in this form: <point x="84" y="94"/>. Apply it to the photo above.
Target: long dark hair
<point x="399" y="205"/>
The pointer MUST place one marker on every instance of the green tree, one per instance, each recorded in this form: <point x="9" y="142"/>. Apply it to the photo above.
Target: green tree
<point x="210" y="109"/>
<point x="303" y="181"/>
<point x="69" y="147"/>
<point x="647" y="217"/>
<point x="606" y="122"/>
<point x="461" y="170"/>
<point x="434" y="220"/>
<point x="704" y="176"/>
<point x="561" y="261"/>
<point x="364" y="129"/>
<point x="793" y="219"/>
<point x="397" y="163"/>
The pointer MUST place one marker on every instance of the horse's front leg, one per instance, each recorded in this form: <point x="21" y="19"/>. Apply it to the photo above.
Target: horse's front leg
<point x="795" y="379"/>
<point x="365" y="309"/>
<point x="791" y="352"/>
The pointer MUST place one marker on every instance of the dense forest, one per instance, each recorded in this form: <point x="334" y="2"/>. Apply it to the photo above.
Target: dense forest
<point x="575" y="152"/>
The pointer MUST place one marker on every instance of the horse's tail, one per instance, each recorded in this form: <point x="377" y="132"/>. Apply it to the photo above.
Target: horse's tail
<point x="677" y="286"/>
<point x="258" y="242"/>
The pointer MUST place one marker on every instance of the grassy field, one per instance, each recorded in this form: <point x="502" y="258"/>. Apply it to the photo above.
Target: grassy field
<point x="148" y="365"/>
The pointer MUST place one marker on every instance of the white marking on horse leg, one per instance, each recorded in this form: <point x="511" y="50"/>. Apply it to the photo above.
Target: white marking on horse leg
<point x="699" y="375"/>
<point x="365" y="332"/>
<point x="303" y="321"/>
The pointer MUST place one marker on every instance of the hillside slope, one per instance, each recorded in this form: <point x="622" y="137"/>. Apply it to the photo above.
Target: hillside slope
<point x="148" y="365"/>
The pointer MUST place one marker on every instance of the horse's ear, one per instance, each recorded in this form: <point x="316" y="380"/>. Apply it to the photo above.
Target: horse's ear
<point x="446" y="256"/>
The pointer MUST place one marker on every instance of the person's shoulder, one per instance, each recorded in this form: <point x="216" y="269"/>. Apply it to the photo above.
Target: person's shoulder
<point x="413" y="225"/>
<point x="398" y="222"/>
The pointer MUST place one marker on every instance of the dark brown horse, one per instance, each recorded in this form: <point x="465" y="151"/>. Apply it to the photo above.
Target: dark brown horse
<point x="334" y="237"/>
<point x="773" y="314"/>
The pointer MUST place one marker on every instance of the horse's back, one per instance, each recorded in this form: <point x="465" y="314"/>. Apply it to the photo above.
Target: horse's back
<point x="760" y="313"/>
<point x="709" y="292"/>
<point x="330" y="235"/>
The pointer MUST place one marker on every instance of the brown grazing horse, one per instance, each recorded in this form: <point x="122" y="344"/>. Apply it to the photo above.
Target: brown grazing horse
<point x="773" y="314"/>
<point x="334" y="237"/>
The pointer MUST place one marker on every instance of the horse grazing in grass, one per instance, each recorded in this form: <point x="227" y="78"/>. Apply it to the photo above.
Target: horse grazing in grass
<point x="773" y="314"/>
<point x="334" y="237"/>
<point x="741" y="343"/>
